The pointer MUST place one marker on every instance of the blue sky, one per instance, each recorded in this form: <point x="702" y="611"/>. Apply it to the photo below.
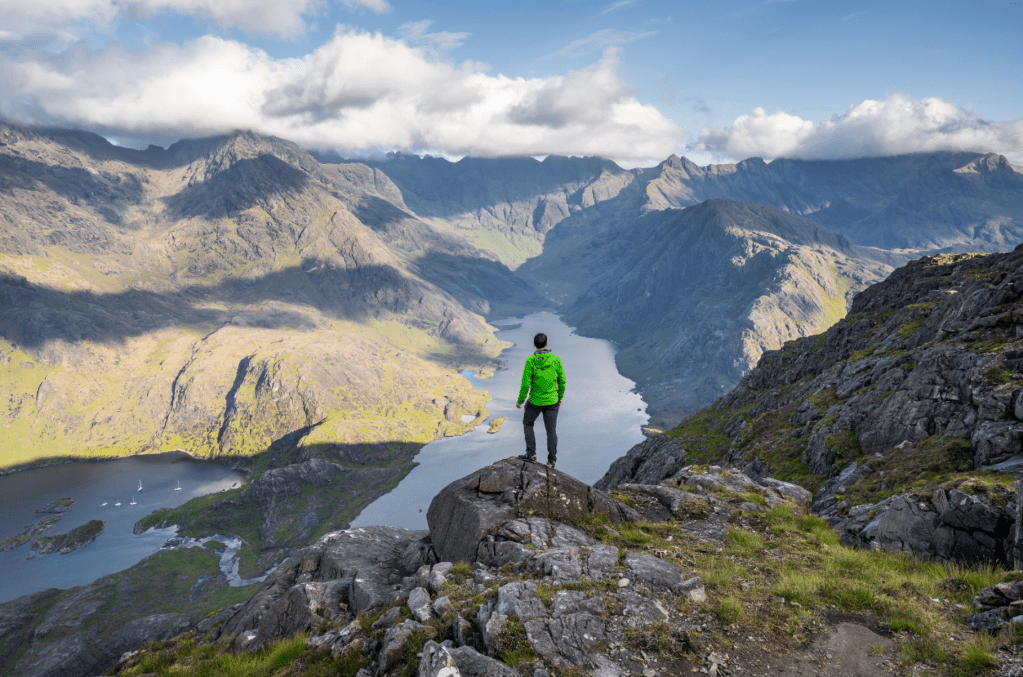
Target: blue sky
<point x="634" y="80"/>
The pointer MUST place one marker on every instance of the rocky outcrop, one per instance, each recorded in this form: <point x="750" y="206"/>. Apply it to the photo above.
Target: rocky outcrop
<point x="920" y="381"/>
<point x="999" y="608"/>
<point x="81" y="654"/>
<point x="343" y="573"/>
<point x="474" y="507"/>
<point x="943" y="524"/>
<point x="75" y="539"/>
<point x="367" y="571"/>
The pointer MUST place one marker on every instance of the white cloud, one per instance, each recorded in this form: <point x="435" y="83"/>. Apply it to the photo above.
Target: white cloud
<point x="599" y="41"/>
<point x="359" y="91"/>
<point x="276" y="17"/>
<point x="415" y="34"/>
<point x="617" y="5"/>
<point x="898" y="124"/>
<point x="379" y="6"/>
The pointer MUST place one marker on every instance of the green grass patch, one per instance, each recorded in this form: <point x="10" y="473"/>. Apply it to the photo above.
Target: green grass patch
<point x="929" y="462"/>
<point x="704" y="435"/>
<point x="998" y="375"/>
<point x="184" y="656"/>
<point x="910" y="327"/>
<point x="516" y="651"/>
<point x="754" y="497"/>
<point x="857" y="355"/>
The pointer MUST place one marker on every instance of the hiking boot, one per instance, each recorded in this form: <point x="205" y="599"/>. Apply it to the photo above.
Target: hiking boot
<point x="527" y="457"/>
<point x="550" y="464"/>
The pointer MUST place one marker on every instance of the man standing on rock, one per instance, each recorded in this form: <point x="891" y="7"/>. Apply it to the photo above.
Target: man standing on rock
<point x="544" y="379"/>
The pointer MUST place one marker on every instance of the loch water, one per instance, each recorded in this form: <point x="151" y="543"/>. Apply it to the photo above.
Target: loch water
<point x="600" y="419"/>
<point x="91" y="484"/>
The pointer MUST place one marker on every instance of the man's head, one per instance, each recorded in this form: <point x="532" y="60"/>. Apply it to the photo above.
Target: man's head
<point x="540" y="341"/>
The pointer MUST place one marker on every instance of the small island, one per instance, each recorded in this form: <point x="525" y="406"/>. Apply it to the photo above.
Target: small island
<point x="54" y="512"/>
<point x="495" y="425"/>
<point x="75" y="539"/>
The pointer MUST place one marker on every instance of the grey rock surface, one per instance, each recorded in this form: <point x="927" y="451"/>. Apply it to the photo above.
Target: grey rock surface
<point x="396" y="644"/>
<point x="472" y="663"/>
<point x="474" y="507"/>
<point x="352" y="567"/>
<point x="437" y="661"/>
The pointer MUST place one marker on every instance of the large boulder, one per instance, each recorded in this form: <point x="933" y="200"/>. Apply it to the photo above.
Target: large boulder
<point x="476" y="506"/>
<point x="344" y="572"/>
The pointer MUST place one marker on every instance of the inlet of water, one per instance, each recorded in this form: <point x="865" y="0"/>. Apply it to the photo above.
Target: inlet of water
<point x="92" y="485"/>
<point x="600" y="419"/>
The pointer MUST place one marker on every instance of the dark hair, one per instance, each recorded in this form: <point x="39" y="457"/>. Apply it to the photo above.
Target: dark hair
<point x="540" y="340"/>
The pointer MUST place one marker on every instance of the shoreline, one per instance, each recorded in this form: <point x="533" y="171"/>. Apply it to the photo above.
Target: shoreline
<point x="49" y="463"/>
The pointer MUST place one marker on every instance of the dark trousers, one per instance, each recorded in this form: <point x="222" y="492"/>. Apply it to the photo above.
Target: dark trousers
<point x="550" y="423"/>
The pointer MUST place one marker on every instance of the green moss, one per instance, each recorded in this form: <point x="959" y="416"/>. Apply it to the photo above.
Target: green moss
<point x="998" y="375"/>
<point x="999" y="489"/>
<point x="844" y="444"/>
<point x="861" y="354"/>
<point x="910" y="327"/>
<point x="988" y="346"/>
<point x="929" y="462"/>
<point x="704" y="435"/>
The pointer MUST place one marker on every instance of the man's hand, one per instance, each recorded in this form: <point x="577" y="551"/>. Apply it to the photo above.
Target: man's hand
<point x="560" y="401"/>
<point x="518" y="405"/>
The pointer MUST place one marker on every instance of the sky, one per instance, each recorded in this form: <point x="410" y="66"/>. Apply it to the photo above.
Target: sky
<point x="630" y="80"/>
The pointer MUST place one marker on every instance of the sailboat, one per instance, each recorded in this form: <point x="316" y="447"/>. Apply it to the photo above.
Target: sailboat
<point x="179" y="486"/>
<point x="133" y="501"/>
<point x="104" y="503"/>
<point x="140" y="485"/>
<point x="118" y="503"/>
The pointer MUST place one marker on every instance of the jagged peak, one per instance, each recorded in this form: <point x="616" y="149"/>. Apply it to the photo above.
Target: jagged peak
<point x="752" y="163"/>
<point x="986" y="164"/>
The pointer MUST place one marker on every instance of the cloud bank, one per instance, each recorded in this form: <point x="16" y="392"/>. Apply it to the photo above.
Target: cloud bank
<point x="897" y="125"/>
<point x="359" y="91"/>
<point x="284" y="18"/>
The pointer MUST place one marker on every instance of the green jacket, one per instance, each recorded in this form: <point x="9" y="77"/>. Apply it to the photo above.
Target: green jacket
<point x="543" y="378"/>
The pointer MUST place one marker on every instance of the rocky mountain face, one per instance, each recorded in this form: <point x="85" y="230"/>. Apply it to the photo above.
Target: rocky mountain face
<point x="922" y="202"/>
<point x="222" y="294"/>
<point x="598" y="237"/>
<point x="905" y="418"/>
<point x="694" y="297"/>
<point x="507" y="205"/>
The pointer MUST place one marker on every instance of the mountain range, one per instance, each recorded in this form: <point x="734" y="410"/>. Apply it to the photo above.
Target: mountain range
<point x="224" y="293"/>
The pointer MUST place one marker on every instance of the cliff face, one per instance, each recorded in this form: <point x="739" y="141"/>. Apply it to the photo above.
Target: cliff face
<point x="904" y="417"/>
<point x="222" y="294"/>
